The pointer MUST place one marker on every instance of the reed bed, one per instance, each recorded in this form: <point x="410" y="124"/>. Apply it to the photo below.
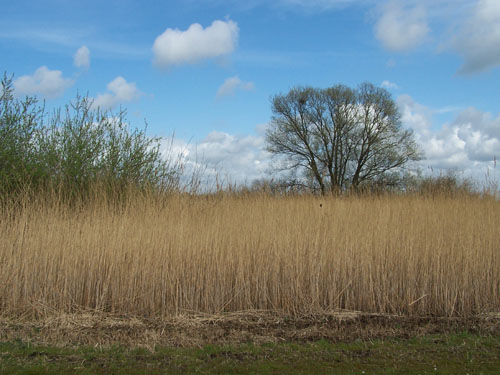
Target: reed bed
<point x="179" y="254"/>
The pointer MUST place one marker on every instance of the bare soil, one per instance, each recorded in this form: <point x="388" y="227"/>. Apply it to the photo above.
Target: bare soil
<point x="194" y="330"/>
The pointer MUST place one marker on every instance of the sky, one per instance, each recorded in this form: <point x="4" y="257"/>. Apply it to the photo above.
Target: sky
<point x="205" y="70"/>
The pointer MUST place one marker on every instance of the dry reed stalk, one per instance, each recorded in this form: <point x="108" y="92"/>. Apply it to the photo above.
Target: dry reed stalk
<point x="168" y="256"/>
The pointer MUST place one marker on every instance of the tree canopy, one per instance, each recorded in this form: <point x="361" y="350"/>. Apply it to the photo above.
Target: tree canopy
<point x="339" y="137"/>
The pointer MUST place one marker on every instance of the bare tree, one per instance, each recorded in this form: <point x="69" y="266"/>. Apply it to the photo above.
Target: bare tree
<point x="340" y="137"/>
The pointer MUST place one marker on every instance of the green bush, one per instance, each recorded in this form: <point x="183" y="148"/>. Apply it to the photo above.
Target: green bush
<point x="19" y="124"/>
<point x="75" y="149"/>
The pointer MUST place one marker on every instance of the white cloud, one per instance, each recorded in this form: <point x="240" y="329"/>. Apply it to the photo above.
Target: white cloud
<point x="81" y="59"/>
<point x="232" y="84"/>
<point x="470" y="143"/>
<point x="233" y="158"/>
<point x="478" y="40"/>
<point x="241" y="157"/>
<point x="414" y="115"/>
<point x="389" y="85"/>
<point x="401" y="28"/>
<point x="45" y="82"/>
<point x="120" y="91"/>
<point x="176" y="47"/>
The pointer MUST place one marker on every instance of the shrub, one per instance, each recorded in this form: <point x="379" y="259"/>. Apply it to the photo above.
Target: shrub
<point x="76" y="148"/>
<point x="19" y="123"/>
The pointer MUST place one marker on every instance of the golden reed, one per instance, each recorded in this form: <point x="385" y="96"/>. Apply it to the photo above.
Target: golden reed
<point x="178" y="254"/>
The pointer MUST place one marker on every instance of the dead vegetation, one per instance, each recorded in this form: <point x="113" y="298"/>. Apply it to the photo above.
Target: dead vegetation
<point x="163" y="259"/>
<point x="259" y="327"/>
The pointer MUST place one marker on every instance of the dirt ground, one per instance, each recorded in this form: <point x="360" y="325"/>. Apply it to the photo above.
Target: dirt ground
<point x="194" y="330"/>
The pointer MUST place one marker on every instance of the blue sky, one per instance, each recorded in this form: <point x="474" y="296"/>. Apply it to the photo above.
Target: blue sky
<point x="207" y="69"/>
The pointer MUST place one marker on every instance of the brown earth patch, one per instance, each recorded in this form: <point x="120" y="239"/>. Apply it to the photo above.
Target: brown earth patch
<point x="195" y="330"/>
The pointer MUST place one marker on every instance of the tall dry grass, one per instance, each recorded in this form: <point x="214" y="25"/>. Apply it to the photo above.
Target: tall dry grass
<point x="159" y="256"/>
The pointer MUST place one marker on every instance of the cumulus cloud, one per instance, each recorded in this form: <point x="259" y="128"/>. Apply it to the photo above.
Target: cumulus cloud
<point x="414" y="115"/>
<point x="119" y="91"/>
<point x="389" y="85"/>
<point x="45" y="82"/>
<point x="401" y="28"/>
<point x="478" y="41"/>
<point x="177" y="47"/>
<point x="234" y="158"/>
<point x="481" y="133"/>
<point x="470" y="143"/>
<point x="81" y="59"/>
<point x="232" y="84"/>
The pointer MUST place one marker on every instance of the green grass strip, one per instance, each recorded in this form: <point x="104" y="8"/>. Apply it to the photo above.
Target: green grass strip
<point x="436" y="354"/>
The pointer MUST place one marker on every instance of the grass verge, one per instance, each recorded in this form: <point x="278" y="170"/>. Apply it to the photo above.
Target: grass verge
<point x="460" y="353"/>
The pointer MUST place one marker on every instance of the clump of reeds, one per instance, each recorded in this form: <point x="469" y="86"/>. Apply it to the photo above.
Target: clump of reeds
<point x="163" y="255"/>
